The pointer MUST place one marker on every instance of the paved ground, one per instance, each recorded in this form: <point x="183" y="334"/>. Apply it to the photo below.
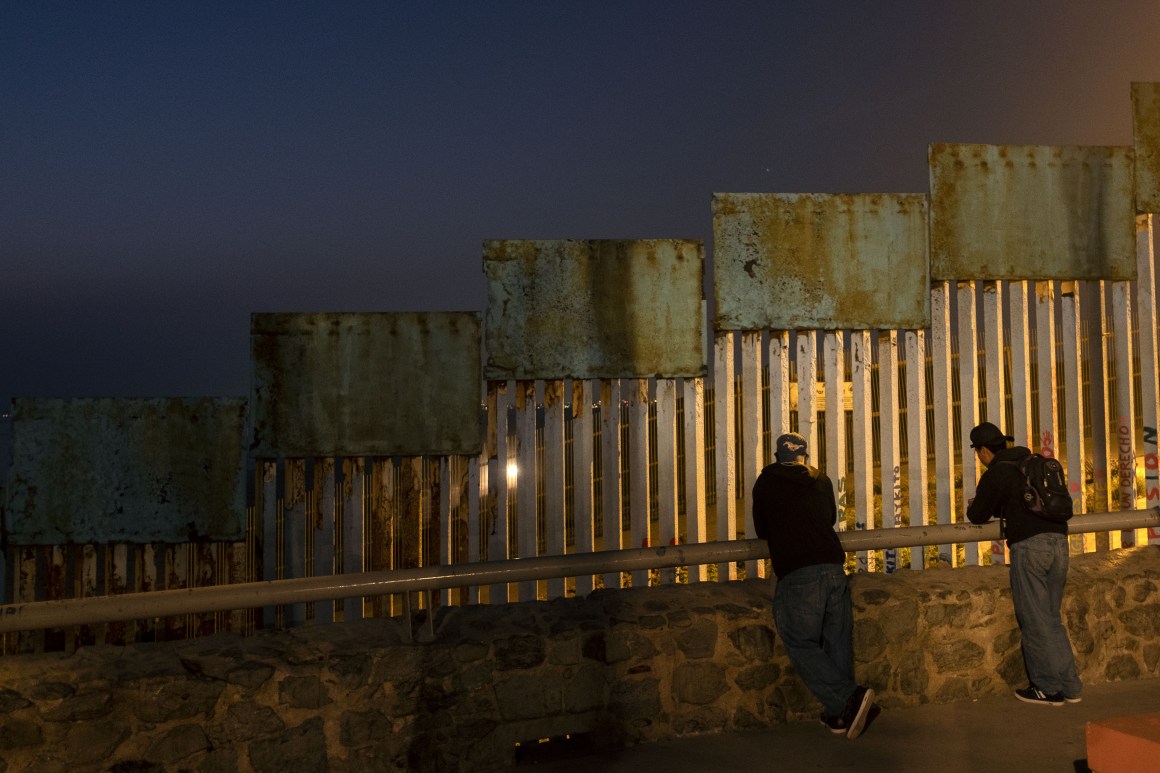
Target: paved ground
<point x="997" y="733"/>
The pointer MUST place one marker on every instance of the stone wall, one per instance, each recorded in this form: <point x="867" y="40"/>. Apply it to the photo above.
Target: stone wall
<point x="619" y="667"/>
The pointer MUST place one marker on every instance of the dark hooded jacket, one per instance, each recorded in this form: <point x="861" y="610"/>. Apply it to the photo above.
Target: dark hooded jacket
<point x="795" y="512"/>
<point x="999" y="494"/>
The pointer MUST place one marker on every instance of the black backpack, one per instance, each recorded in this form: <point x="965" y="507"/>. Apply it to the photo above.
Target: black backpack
<point x="1045" y="488"/>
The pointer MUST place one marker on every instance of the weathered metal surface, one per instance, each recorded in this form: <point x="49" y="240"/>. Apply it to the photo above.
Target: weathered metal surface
<point x="594" y="309"/>
<point x="803" y="261"/>
<point x="1146" y="143"/>
<point x="127" y="470"/>
<point x="1031" y="212"/>
<point x="379" y="384"/>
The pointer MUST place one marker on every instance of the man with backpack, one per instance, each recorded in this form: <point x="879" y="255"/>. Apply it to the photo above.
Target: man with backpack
<point x="1035" y="525"/>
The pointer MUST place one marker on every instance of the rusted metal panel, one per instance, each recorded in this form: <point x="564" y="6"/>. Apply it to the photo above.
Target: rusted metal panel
<point x="379" y="384"/>
<point x="1031" y="212"/>
<point x="1146" y="144"/>
<point x="127" y="470"/>
<point x="809" y="260"/>
<point x="594" y="309"/>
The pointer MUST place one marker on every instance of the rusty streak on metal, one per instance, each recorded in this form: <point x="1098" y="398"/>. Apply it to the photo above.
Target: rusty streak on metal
<point x="1031" y="212"/>
<point x="594" y="309"/>
<point x="789" y="261"/>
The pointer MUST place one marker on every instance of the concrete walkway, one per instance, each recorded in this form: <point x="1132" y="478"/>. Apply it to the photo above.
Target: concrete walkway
<point x="997" y="733"/>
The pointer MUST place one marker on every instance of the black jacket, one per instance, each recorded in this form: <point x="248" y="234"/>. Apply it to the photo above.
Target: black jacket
<point x="794" y="511"/>
<point x="1000" y="494"/>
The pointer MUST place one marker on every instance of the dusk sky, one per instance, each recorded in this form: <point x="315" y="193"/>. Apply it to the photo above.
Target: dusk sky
<point x="168" y="168"/>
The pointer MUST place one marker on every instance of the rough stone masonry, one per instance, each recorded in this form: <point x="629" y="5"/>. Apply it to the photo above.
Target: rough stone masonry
<point x="622" y="666"/>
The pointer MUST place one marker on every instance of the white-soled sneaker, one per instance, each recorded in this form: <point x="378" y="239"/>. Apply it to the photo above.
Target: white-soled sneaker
<point x="1035" y="695"/>
<point x="835" y="724"/>
<point x="857" y="708"/>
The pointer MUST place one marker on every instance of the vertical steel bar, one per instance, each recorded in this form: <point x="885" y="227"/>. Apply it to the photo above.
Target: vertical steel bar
<point x="444" y="515"/>
<point x="638" y="494"/>
<point x="807" y="372"/>
<point x="696" y="523"/>
<point x="1071" y="330"/>
<point x="779" y="386"/>
<point x="25" y="590"/>
<point x="474" y="511"/>
<point x="1020" y="342"/>
<point x="916" y="460"/>
<point x="294" y="533"/>
<point x="861" y="361"/>
<point x="611" y="496"/>
<point x="968" y="398"/>
<point x="176" y="578"/>
<point x="890" y="463"/>
<point x="485" y="514"/>
<point x="1047" y="383"/>
<point x="752" y="424"/>
<point x="725" y="440"/>
<point x="526" y="515"/>
<point x="355" y="527"/>
<point x="583" y="479"/>
<point x="384" y="521"/>
<point x="310" y="506"/>
<point x="500" y="480"/>
<point x="993" y="352"/>
<point x="1099" y="361"/>
<point x="118" y="571"/>
<point x="271" y="530"/>
<point x="554" y="477"/>
<point x="149" y="580"/>
<point x="1125" y="405"/>
<point x="667" y="468"/>
<point x="326" y="519"/>
<point x="834" y="376"/>
<point x="944" y="440"/>
<point x="807" y="407"/>
<point x="57" y="559"/>
<point x="1149" y="384"/>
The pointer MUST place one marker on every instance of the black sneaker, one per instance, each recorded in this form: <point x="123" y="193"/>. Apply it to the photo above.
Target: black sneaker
<point x="1033" y="694"/>
<point x="857" y="707"/>
<point x="1073" y="698"/>
<point x="836" y="724"/>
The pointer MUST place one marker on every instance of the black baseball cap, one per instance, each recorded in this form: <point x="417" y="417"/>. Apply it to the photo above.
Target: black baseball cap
<point x="987" y="434"/>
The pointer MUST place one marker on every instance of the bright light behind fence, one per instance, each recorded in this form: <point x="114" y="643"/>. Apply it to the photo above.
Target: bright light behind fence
<point x="512" y="472"/>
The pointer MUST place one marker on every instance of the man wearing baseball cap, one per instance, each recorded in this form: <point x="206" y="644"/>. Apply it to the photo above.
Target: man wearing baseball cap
<point x="1039" y="563"/>
<point x="794" y="511"/>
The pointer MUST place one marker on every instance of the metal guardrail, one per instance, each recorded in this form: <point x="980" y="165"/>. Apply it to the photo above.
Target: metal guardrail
<point x="135" y="606"/>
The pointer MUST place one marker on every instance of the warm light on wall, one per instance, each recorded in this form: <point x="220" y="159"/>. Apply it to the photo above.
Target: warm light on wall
<point x="512" y="473"/>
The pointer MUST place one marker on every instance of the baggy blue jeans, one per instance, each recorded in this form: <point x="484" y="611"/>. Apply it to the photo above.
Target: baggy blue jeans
<point x="811" y="607"/>
<point x="1038" y="573"/>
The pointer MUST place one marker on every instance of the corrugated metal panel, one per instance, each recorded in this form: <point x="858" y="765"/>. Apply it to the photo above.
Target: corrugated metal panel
<point x="1146" y="139"/>
<point x="127" y="470"/>
<point x="377" y="384"/>
<point x="594" y="309"/>
<point x="1031" y="212"/>
<point x="789" y="261"/>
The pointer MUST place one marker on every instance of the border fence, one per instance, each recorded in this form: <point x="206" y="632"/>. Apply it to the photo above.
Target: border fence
<point x="609" y="401"/>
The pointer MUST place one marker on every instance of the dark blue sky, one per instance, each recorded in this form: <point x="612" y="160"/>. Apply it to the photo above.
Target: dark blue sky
<point x="168" y="168"/>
